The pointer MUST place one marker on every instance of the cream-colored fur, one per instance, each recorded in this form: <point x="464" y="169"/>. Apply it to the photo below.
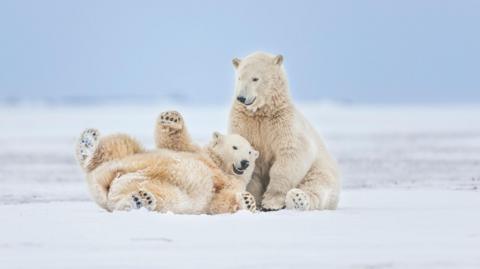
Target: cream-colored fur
<point x="179" y="182"/>
<point x="171" y="133"/>
<point x="226" y="151"/>
<point x="294" y="169"/>
<point x="122" y="176"/>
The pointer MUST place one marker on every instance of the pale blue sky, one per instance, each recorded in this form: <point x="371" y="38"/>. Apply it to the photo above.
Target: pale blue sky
<point x="360" y="51"/>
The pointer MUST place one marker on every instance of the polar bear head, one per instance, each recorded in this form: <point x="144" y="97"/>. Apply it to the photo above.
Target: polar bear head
<point x="260" y="77"/>
<point x="236" y="155"/>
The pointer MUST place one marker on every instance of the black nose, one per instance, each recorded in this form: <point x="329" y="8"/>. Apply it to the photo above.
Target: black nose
<point x="241" y="99"/>
<point x="244" y="164"/>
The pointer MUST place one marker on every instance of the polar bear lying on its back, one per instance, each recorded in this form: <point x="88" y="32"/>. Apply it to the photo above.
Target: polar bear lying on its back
<point x="294" y="169"/>
<point x="179" y="177"/>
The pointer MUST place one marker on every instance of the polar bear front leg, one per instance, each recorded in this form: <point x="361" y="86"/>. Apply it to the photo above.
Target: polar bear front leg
<point x="171" y="133"/>
<point x="227" y="201"/>
<point x="256" y="188"/>
<point x="247" y="201"/>
<point x="286" y="173"/>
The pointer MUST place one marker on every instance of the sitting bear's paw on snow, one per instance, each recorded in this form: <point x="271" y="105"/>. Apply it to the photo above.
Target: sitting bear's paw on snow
<point x="170" y="121"/>
<point x="247" y="202"/>
<point x="273" y="202"/>
<point x="297" y="199"/>
<point x="86" y="146"/>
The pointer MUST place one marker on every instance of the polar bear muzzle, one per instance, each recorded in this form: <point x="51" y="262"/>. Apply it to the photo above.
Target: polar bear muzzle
<point x="237" y="171"/>
<point x="246" y="101"/>
<point x="243" y="166"/>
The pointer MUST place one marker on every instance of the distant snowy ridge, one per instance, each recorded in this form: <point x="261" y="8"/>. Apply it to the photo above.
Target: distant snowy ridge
<point x="79" y="100"/>
<point x="167" y="97"/>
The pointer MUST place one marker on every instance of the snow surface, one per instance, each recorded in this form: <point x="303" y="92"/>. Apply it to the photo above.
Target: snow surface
<point x="411" y="176"/>
<point x="372" y="229"/>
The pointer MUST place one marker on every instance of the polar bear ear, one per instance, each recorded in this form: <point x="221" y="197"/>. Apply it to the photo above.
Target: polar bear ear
<point x="256" y="154"/>
<point x="236" y="62"/>
<point x="278" y="59"/>
<point x="216" y="136"/>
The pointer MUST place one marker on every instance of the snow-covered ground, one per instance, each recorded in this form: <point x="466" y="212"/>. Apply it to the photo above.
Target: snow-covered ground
<point x="411" y="177"/>
<point x="372" y="229"/>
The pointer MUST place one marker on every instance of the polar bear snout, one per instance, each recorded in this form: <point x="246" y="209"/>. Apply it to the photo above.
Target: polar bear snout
<point x="241" y="99"/>
<point x="244" y="164"/>
<point x="246" y="101"/>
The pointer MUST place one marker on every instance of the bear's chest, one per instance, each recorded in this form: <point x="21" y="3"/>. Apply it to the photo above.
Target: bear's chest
<point x="259" y="134"/>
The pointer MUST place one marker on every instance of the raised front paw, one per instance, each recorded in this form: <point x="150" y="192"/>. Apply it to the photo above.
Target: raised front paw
<point x="273" y="202"/>
<point x="297" y="199"/>
<point x="170" y="120"/>
<point x="247" y="202"/>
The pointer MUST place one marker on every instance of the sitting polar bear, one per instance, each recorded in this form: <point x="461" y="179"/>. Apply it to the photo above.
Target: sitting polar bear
<point x="294" y="169"/>
<point x="178" y="177"/>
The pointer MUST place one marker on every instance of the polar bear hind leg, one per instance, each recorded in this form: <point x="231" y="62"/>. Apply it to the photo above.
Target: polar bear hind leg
<point x="297" y="199"/>
<point x="92" y="150"/>
<point x="147" y="199"/>
<point x="124" y="192"/>
<point x="86" y="146"/>
<point x="137" y="200"/>
<point x="164" y="197"/>
<point x="317" y="191"/>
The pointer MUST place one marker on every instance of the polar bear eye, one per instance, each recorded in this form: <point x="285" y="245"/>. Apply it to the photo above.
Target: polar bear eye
<point x="249" y="152"/>
<point x="254" y="79"/>
<point x="234" y="148"/>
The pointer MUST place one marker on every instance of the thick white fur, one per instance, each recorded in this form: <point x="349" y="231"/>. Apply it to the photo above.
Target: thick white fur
<point x="180" y="181"/>
<point x="121" y="175"/>
<point x="293" y="161"/>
